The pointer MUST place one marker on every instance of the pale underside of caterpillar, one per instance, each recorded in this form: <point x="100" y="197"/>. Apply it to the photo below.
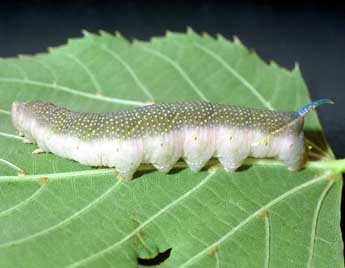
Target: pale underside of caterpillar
<point x="163" y="133"/>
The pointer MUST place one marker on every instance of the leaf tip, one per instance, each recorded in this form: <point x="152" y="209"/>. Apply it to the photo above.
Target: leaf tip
<point x="220" y="37"/>
<point x="85" y="33"/>
<point x="296" y="68"/>
<point x="102" y="32"/>
<point x="205" y="35"/>
<point x="168" y="33"/>
<point x="22" y="56"/>
<point x="135" y="41"/>
<point x="273" y="64"/>
<point x="237" y="40"/>
<point x="252" y="52"/>
<point x="118" y="34"/>
<point x="190" y="30"/>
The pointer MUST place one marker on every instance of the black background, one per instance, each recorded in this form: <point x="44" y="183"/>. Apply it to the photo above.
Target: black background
<point x="310" y="33"/>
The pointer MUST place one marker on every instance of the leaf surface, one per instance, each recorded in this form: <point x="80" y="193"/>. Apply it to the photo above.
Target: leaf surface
<point x="63" y="214"/>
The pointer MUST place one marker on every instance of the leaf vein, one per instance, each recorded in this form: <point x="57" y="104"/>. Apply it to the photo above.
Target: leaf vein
<point x="64" y="222"/>
<point x="20" y="70"/>
<point x="45" y="66"/>
<point x="315" y="220"/>
<point x="8" y="135"/>
<point x="23" y="202"/>
<point x="130" y="71"/>
<point x="72" y="91"/>
<point x="237" y="75"/>
<point x="11" y="165"/>
<point x="86" y="69"/>
<point x="141" y="226"/>
<point x="178" y="68"/>
<point x="254" y="215"/>
<point x="267" y="241"/>
<point x="246" y="83"/>
<point x="4" y="112"/>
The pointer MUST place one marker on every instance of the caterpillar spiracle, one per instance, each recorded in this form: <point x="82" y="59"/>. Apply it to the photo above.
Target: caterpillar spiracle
<point x="163" y="133"/>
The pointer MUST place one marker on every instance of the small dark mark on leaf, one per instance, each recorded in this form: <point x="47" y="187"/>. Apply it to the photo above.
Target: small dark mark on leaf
<point x="333" y="177"/>
<point x="161" y="257"/>
<point x="136" y="221"/>
<point x="212" y="250"/>
<point x="263" y="213"/>
<point x="21" y="173"/>
<point x="136" y="225"/>
<point x="43" y="180"/>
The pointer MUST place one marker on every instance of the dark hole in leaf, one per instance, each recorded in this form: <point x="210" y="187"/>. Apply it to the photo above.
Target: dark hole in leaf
<point x="162" y="256"/>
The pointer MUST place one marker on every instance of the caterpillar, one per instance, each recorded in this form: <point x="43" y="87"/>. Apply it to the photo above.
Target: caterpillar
<point x="161" y="134"/>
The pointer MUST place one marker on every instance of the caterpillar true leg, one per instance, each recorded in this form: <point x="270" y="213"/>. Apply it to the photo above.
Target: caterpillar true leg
<point x="27" y="141"/>
<point x="38" y="151"/>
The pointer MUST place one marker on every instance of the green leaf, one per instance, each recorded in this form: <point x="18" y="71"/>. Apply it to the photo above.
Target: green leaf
<point x="63" y="214"/>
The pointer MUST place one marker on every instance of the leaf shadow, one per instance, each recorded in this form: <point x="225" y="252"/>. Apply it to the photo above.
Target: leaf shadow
<point x="312" y="138"/>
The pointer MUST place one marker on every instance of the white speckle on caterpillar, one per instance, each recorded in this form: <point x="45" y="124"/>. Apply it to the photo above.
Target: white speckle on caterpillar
<point x="163" y="133"/>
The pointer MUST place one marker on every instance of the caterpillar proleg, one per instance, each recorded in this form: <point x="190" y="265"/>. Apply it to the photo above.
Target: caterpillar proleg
<point x="163" y="133"/>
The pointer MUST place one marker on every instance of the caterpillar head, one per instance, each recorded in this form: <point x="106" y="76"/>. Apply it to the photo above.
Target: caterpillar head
<point x="18" y="115"/>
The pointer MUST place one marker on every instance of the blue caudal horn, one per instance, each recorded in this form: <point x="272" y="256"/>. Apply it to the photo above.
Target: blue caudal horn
<point x="311" y="106"/>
